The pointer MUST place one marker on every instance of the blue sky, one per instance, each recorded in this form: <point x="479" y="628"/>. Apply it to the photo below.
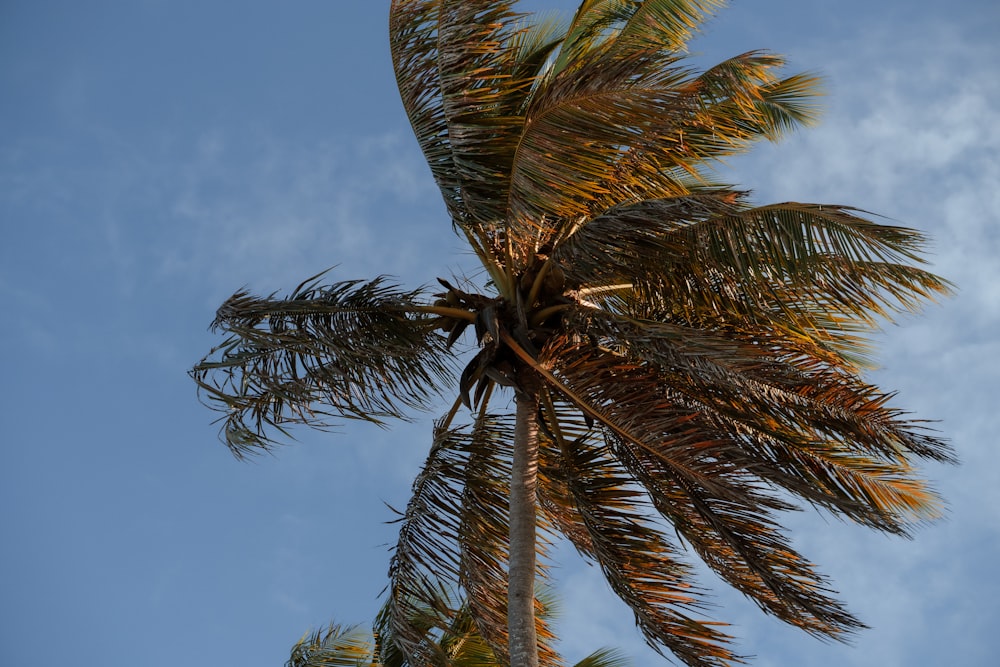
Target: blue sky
<point x="157" y="155"/>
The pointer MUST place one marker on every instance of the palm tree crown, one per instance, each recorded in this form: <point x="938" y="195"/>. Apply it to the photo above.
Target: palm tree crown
<point x="675" y="353"/>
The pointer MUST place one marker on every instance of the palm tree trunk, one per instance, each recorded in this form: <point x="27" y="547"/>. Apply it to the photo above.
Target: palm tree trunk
<point x="522" y="640"/>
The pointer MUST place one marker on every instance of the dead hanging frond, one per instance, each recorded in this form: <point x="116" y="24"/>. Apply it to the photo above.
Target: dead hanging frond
<point x="352" y="349"/>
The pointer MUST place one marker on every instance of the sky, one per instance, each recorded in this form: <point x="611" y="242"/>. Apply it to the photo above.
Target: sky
<point x="156" y="156"/>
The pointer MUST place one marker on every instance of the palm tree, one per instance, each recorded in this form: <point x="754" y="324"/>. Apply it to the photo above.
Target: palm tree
<point x="458" y="645"/>
<point x="676" y="355"/>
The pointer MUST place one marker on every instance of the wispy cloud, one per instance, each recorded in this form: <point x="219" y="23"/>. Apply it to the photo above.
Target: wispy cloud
<point x="913" y="132"/>
<point x="273" y="213"/>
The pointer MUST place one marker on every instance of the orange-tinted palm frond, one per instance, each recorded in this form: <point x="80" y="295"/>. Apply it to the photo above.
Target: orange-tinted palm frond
<point x="621" y="128"/>
<point x="628" y="27"/>
<point x="736" y="536"/>
<point x="743" y="544"/>
<point x="590" y="498"/>
<point x="464" y="70"/>
<point x="710" y="436"/>
<point x="821" y="272"/>
<point x="820" y="432"/>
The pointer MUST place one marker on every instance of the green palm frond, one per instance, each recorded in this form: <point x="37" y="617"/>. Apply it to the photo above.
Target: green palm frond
<point x="352" y="349"/>
<point x="459" y="644"/>
<point x="605" y="658"/>
<point x="334" y="646"/>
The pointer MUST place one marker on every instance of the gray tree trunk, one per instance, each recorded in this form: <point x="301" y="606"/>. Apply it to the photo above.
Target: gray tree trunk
<point x="522" y="639"/>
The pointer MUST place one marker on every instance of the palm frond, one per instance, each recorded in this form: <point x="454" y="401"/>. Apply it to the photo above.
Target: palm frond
<point x="622" y="27"/>
<point x="742" y="543"/>
<point x="709" y="438"/>
<point x="454" y="66"/>
<point x="425" y="562"/>
<point x="822" y="272"/>
<point x="743" y="100"/>
<point x="714" y="497"/>
<point x="453" y="535"/>
<point x="624" y="127"/>
<point x="351" y="349"/>
<point x="802" y="242"/>
<point x="636" y="243"/>
<point x="334" y="646"/>
<point x="457" y="642"/>
<point x="665" y="24"/>
<point x="605" y="515"/>
<point x="606" y="657"/>
<point x="823" y="434"/>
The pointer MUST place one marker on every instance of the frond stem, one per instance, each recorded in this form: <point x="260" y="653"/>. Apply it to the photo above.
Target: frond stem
<point x="536" y="286"/>
<point x="546" y="313"/>
<point x="553" y="425"/>
<point x="603" y="289"/>
<point x="485" y="400"/>
<point x="580" y="402"/>
<point x="446" y="422"/>
<point x="442" y="311"/>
